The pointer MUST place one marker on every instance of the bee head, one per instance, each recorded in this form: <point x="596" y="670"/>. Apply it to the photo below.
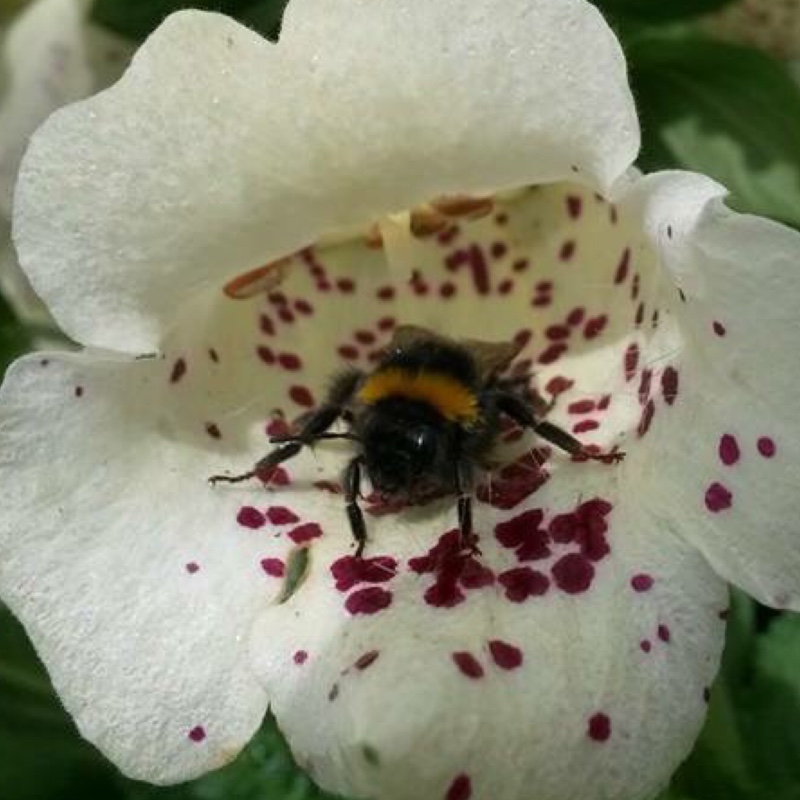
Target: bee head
<point x="403" y="449"/>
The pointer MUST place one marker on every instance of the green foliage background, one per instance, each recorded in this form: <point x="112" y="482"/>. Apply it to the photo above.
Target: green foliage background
<point x="722" y="109"/>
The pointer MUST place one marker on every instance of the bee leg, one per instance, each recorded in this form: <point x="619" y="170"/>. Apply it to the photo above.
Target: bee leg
<point x="463" y="485"/>
<point x="314" y="427"/>
<point x="516" y="408"/>
<point x="265" y="467"/>
<point x="352" y="491"/>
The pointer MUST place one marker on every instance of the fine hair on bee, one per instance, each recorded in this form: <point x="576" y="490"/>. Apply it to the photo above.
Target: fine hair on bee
<point x="423" y="423"/>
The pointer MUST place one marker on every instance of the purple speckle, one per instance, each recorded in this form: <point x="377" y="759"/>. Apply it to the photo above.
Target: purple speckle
<point x="197" y="734"/>
<point x="766" y="446"/>
<point x="642" y="582"/>
<point x="249" y="517"/>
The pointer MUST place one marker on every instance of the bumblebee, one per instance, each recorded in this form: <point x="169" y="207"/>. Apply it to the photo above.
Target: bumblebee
<point x="424" y="423"/>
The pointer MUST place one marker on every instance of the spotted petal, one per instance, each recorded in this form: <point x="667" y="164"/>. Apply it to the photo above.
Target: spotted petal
<point x="138" y="588"/>
<point x="727" y="452"/>
<point x="579" y="668"/>
<point x="289" y="141"/>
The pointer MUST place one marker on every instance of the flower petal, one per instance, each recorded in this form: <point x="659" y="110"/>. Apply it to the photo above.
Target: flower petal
<point x="581" y="675"/>
<point x="136" y="582"/>
<point x="52" y="55"/>
<point x="333" y="127"/>
<point x="46" y="64"/>
<point x="724" y="463"/>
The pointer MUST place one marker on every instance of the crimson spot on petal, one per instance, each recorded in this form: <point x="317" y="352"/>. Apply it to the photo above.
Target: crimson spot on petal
<point x="300" y="657"/>
<point x="728" y="450"/>
<point x="302" y="396"/>
<point x="599" y="727"/>
<point x="368" y="601"/>
<point x="718" y="498"/>
<point x="197" y="734"/>
<point x="460" y="789"/>
<point x="305" y="532"/>
<point x="642" y="582"/>
<point x="512" y="532"/>
<point x="280" y="515"/>
<point x="250" y="517"/>
<point x="669" y="385"/>
<point x="505" y="655"/>
<point x="766" y="446"/>
<point x="573" y="573"/>
<point x="273" y="567"/>
<point x="468" y="664"/>
<point x="522" y="583"/>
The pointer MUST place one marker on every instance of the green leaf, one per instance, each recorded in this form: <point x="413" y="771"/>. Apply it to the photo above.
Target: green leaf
<point x="35" y="731"/>
<point x="773" y="710"/>
<point x="137" y="19"/>
<point x="717" y="767"/>
<point x="15" y="339"/>
<point x="659" y="10"/>
<point x="727" y="111"/>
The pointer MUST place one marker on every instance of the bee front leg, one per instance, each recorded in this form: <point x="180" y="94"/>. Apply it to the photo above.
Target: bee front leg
<point x="352" y="491"/>
<point x="521" y="412"/>
<point x="265" y="467"/>
<point x="315" y="427"/>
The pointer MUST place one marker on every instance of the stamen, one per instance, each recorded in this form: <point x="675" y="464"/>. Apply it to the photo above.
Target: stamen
<point x="462" y="205"/>
<point x="257" y="281"/>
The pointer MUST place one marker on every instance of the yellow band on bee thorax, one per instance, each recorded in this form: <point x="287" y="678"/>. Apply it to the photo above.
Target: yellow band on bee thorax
<point x="451" y="398"/>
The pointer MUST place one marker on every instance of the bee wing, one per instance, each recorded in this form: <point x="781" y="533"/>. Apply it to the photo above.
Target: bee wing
<point x="491" y="358"/>
<point x="406" y="335"/>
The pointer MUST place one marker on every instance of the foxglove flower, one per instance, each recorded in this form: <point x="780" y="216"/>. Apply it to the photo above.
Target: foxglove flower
<point x="51" y="55"/>
<point x="463" y="166"/>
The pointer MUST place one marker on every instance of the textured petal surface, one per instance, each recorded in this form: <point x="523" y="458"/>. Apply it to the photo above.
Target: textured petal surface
<point x="51" y="55"/>
<point x="44" y="66"/>
<point x="590" y="685"/>
<point x="334" y="126"/>
<point x="585" y="634"/>
<point x="136" y="585"/>
<point x="726" y="460"/>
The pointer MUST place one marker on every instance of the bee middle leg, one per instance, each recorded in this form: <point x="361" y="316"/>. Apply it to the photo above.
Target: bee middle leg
<point x="352" y="491"/>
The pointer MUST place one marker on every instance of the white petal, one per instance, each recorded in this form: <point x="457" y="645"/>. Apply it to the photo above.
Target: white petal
<point x="219" y="151"/>
<point x="724" y="463"/>
<point x="45" y="62"/>
<point x="136" y="583"/>
<point x="52" y="55"/>
<point x="583" y="691"/>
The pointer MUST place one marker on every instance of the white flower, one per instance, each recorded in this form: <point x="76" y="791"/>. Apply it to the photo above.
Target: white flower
<point x="573" y="658"/>
<point x="51" y="55"/>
